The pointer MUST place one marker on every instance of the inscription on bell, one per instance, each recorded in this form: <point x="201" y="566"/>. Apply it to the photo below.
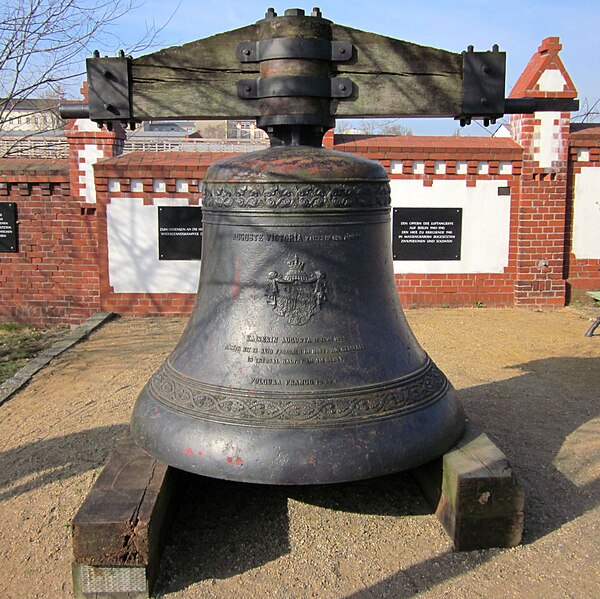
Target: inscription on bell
<point x="295" y="237"/>
<point x="297" y="296"/>
<point x="269" y="349"/>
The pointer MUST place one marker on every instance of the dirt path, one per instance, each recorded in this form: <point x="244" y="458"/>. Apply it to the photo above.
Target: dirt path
<point x="531" y="379"/>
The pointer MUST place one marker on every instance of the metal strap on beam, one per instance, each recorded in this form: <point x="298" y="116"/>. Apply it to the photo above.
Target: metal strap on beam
<point x="283" y="48"/>
<point x="276" y="87"/>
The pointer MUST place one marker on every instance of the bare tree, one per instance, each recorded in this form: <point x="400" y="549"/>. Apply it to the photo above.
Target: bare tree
<point x="589" y="111"/>
<point x="43" y="44"/>
<point x="374" y="127"/>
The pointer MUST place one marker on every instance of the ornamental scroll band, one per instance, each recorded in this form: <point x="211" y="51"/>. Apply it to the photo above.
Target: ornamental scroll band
<point x="174" y="390"/>
<point x="283" y="196"/>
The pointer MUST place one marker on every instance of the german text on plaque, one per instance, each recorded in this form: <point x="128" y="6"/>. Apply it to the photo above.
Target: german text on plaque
<point x="179" y="232"/>
<point x="8" y="227"/>
<point x="427" y="233"/>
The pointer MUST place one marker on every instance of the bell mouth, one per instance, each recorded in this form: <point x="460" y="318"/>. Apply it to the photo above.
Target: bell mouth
<point x="299" y="453"/>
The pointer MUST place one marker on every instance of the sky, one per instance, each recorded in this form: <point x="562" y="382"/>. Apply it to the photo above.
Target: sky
<point x="518" y="27"/>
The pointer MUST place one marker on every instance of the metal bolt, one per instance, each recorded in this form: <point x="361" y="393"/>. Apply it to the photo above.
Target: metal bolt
<point x="486" y="69"/>
<point x="121" y="53"/>
<point x="270" y="14"/>
<point x="96" y="54"/>
<point x="485" y="102"/>
<point x="342" y="87"/>
<point x="316" y="12"/>
<point x="247" y="52"/>
<point x="486" y="122"/>
<point x="342" y="50"/>
<point x="495" y="48"/>
<point x="470" y="48"/>
<point x="247" y="89"/>
<point x="294" y="12"/>
<point x="493" y="121"/>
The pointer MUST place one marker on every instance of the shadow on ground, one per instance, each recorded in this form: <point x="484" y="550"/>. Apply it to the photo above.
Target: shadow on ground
<point x="541" y="418"/>
<point x="529" y="416"/>
<point x="59" y="458"/>
<point x="226" y="528"/>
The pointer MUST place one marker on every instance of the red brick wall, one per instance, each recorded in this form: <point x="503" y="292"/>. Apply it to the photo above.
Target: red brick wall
<point x="61" y="271"/>
<point x="53" y="279"/>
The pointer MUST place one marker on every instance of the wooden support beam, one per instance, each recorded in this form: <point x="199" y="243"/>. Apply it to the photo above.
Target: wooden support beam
<point x="121" y="527"/>
<point x="391" y="78"/>
<point x="475" y="494"/>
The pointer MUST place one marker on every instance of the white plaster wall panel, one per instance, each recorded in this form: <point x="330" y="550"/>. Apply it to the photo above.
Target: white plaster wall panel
<point x="90" y="155"/>
<point x="505" y="168"/>
<point x="439" y="167"/>
<point x="586" y="214"/>
<point x="396" y="167"/>
<point x="419" y="167"/>
<point x="137" y="185"/>
<point x="114" y="185"/>
<point x="552" y="80"/>
<point x="181" y="186"/>
<point x="483" y="168"/>
<point x="160" y="186"/>
<point x="583" y="155"/>
<point x="133" y="264"/>
<point x="461" y="167"/>
<point x="485" y="224"/>
<point x="546" y="137"/>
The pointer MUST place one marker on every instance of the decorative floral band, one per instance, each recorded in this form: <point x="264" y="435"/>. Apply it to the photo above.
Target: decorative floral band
<point x="282" y="196"/>
<point x="181" y="393"/>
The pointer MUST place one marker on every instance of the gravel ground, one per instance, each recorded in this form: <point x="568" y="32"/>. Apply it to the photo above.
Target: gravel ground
<point x="531" y="379"/>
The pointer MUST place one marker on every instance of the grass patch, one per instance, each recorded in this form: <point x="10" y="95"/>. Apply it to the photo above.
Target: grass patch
<point x="20" y="343"/>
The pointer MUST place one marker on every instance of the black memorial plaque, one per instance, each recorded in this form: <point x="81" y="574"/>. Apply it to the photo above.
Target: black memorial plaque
<point x="427" y="233"/>
<point x="9" y="241"/>
<point x="179" y="232"/>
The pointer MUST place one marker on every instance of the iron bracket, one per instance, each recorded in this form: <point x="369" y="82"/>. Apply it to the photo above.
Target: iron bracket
<point x="483" y="83"/>
<point x="109" y="85"/>
<point x="277" y="87"/>
<point x="285" y="47"/>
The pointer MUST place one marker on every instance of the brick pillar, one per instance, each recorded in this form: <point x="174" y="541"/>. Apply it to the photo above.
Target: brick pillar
<point x="87" y="145"/>
<point x="544" y="137"/>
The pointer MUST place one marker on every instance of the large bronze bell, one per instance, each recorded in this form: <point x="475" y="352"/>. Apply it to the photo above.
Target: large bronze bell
<point x="297" y="365"/>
